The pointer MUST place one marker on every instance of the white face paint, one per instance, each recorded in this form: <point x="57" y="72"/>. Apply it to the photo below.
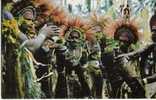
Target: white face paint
<point x="28" y="15"/>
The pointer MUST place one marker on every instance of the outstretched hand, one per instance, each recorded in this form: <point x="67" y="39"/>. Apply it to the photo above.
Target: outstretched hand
<point x="122" y="59"/>
<point x="50" y="31"/>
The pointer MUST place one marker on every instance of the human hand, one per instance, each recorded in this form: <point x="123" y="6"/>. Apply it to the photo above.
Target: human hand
<point x="122" y="59"/>
<point x="49" y="31"/>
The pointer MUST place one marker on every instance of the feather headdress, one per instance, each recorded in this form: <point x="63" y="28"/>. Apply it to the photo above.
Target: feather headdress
<point x="128" y="28"/>
<point x="99" y="22"/>
<point x="49" y="12"/>
<point x="21" y="8"/>
<point x="79" y="24"/>
<point x="62" y="18"/>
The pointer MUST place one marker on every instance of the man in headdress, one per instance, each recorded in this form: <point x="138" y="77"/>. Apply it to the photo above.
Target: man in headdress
<point x="95" y="47"/>
<point x="148" y="58"/>
<point x="25" y="12"/>
<point x="27" y="19"/>
<point x="129" y="70"/>
<point x="16" y="68"/>
<point x="70" y="59"/>
<point x="123" y="73"/>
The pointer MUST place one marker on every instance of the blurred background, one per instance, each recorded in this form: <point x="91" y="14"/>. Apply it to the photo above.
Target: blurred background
<point x="141" y="10"/>
<point x="103" y="6"/>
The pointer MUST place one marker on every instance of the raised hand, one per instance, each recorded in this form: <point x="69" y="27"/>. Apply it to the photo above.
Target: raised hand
<point x="50" y="31"/>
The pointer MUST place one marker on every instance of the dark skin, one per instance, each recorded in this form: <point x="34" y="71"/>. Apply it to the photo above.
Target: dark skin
<point x="74" y="36"/>
<point x="144" y="53"/>
<point x="63" y="61"/>
<point x="124" y="44"/>
<point x="119" y="75"/>
<point x="154" y="36"/>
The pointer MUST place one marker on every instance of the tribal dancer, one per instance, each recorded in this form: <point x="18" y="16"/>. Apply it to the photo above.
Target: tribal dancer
<point x="123" y="74"/>
<point x="72" y="57"/>
<point x="22" y="67"/>
<point x="49" y="14"/>
<point x="95" y="48"/>
<point x="147" y="56"/>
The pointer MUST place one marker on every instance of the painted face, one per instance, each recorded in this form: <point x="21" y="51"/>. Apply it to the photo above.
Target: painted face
<point x="74" y="39"/>
<point x="124" y="42"/>
<point x="28" y="26"/>
<point x="124" y="37"/>
<point x="28" y="15"/>
<point x="74" y="36"/>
